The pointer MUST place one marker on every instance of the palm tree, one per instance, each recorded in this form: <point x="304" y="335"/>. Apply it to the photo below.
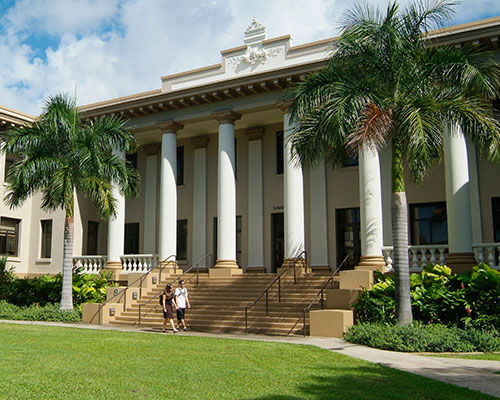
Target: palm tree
<point x="61" y="155"/>
<point x="386" y="84"/>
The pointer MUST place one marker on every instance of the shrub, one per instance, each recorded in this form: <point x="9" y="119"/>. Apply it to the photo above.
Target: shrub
<point x="470" y="299"/>
<point x="49" y="312"/>
<point x="422" y="338"/>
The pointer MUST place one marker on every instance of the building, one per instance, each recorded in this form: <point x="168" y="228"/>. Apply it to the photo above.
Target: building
<point x="217" y="179"/>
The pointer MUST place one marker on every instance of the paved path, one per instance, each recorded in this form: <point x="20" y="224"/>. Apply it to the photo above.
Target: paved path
<point x="474" y="374"/>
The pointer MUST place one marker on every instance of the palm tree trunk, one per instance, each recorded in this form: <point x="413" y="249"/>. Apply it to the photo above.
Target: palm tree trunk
<point x="399" y="215"/>
<point x="67" y="281"/>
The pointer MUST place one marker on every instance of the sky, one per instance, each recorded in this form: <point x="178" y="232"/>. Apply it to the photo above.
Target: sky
<point x="101" y="49"/>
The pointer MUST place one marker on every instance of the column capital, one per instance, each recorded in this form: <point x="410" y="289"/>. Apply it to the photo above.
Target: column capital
<point x="200" y="142"/>
<point x="284" y="104"/>
<point x="254" y="133"/>
<point x="170" y="126"/>
<point x="151" y="149"/>
<point x="226" y="116"/>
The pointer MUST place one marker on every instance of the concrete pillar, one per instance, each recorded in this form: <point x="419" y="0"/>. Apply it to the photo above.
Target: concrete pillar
<point x="150" y="196"/>
<point x="460" y="256"/>
<point x="294" y="197"/>
<point x="255" y="201"/>
<point x="475" y="202"/>
<point x="318" y="217"/>
<point x="168" y="190"/>
<point x="200" y="199"/>
<point x="226" y="197"/>
<point x="116" y="232"/>
<point x="370" y="199"/>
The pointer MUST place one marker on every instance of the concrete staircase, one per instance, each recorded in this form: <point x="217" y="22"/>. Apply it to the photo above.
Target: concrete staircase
<point x="218" y="304"/>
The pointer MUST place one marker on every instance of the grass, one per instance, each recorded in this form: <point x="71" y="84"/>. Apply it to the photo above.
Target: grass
<point x="43" y="362"/>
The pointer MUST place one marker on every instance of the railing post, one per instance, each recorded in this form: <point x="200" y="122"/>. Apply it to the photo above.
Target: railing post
<point x="246" y="320"/>
<point x="294" y="273"/>
<point x="267" y="303"/>
<point x="322" y="300"/>
<point x="279" y="290"/>
<point x="304" y="322"/>
<point x="139" y="315"/>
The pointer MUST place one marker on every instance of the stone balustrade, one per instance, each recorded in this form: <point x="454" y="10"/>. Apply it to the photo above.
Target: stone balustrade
<point x="138" y="262"/>
<point x="90" y="264"/>
<point x="420" y="256"/>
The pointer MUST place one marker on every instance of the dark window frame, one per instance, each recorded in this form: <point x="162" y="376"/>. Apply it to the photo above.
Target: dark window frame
<point x="91" y="251"/>
<point x="46" y="226"/>
<point x="280" y="153"/>
<point x="9" y="236"/>
<point x="180" y="166"/>
<point x="128" y="246"/>
<point x="412" y="207"/>
<point x="182" y="239"/>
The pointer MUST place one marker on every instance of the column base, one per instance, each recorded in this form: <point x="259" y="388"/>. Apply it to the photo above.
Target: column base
<point x="300" y="266"/>
<point x="115" y="267"/>
<point x="461" y="262"/>
<point x="224" y="269"/>
<point x="371" y="263"/>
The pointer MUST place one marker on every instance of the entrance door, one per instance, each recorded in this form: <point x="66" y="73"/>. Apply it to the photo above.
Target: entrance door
<point x="278" y="240"/>
<point x="348" y="236"/>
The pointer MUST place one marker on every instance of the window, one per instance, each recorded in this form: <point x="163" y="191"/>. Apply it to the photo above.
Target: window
<point x="46" y="247"/>
<point x="182" y="239"/>
<point x="92" y="238"/>
<point x="428" y="223"/>
<point x="10" y="159"/>
<point x="9" y="236"/>
<point x="495" y="206"/>
<point x="279" y="153"/>
<point x="131" y="245"/>
<point x="180" y="165"/>
<point x="132" y="159"/>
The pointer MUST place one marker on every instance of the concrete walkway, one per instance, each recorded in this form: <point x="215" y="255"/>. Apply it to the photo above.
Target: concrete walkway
<point x="473" y="374"/>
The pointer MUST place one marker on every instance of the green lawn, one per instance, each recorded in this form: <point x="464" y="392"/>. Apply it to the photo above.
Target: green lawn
<point x="42" y="362"/>
<point x="473" y="356"/>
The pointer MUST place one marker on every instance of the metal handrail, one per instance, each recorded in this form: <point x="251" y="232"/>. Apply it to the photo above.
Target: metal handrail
<point x="141" y="278"/>
<point x="195" y="265"/>
<point x="320" y="293"/>
<point x="277" y="279"/>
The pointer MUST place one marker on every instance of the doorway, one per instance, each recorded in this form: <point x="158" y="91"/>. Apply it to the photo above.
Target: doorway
<point x="348" y="236"/>
<point x="278" y="240"/>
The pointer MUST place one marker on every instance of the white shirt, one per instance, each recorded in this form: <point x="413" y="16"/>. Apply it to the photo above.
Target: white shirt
<point x="181" y="295"/>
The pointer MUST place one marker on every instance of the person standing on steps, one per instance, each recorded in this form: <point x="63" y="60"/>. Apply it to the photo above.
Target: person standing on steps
<point x="181" y="296"/>
<point x="168" y="303"/>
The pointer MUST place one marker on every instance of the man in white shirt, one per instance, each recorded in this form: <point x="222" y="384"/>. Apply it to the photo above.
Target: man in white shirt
<point x="182" y="300"/>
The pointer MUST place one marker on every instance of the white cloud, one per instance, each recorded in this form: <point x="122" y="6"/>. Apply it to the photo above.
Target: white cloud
<point x="153" y="38"/>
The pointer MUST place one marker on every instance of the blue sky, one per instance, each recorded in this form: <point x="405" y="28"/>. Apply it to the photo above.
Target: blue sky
<point x="110" y="48"/>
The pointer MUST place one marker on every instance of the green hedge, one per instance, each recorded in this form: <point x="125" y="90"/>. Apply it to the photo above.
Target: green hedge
<point x="48" y="312"/>
<point x="423" y="338"/>
<point x="467" y="300"/>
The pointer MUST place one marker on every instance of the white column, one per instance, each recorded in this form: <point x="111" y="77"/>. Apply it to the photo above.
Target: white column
<point x="294" y="197"/>
<point x="226" y="191"/>
<point x="255" y="200"/>
<point x="370" y="198"/>
<point x="200" y="199"/>
<point x="475" y="202"/>
<point x="318" y="216"/>
<point x="457" y="190"/>
<point x="150" y="194"/>
<point x="168" y="189"/>
<point x="116" y="230"/>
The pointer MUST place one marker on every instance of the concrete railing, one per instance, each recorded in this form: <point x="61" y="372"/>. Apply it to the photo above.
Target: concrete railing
<point x="138" y="262"/>
<point x="90" y="264"/>
<point x="420" y="256"/>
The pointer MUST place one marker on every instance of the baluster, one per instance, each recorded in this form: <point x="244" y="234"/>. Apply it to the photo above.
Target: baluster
<point x="433" y="256"/>
<point x="414" y="253"/>
<point x="423" y="259"/>
<point x="491" y="256"/>
<point x="442" y="256"/>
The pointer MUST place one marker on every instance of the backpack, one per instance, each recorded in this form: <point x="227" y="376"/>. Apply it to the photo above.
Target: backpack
<point x="161" y="298"/>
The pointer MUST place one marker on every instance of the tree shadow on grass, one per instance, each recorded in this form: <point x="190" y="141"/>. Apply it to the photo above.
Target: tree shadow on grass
<point x="373" y="382"/>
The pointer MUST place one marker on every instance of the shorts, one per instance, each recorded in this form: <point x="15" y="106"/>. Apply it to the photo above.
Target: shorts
<point x="180" y="313"/>
<point x="169" y="313"/>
